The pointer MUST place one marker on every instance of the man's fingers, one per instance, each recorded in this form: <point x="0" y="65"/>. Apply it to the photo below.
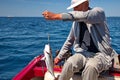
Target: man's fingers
<point x="45" y="12"/>
<point x="48" y="15"/>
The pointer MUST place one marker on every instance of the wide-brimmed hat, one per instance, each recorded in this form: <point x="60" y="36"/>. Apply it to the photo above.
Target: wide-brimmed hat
<point x="75" y="3"/>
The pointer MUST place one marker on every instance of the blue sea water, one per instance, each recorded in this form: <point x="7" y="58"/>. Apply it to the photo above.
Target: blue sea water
<point x="23" y="38"/>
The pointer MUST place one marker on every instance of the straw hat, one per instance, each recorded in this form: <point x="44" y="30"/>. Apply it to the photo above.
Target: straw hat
<point x="75" y="3"/>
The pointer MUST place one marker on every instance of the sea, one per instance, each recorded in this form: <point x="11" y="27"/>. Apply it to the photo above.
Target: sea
<point x="23" y="38"/>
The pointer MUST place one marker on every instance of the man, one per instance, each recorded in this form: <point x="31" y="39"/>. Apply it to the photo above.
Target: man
<point x="90" y="39"/>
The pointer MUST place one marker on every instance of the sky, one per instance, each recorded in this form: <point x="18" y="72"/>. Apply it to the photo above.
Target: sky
<point x="34" y="8"/>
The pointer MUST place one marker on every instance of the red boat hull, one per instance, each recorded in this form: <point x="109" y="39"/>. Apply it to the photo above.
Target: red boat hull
<point x="37" y="68"/>
<point x="28" y="72"/>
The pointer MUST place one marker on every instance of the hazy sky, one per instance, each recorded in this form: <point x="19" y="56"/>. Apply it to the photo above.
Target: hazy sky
<point x="34" y="8"/>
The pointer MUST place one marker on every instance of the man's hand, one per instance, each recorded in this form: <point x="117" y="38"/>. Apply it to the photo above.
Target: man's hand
<point x="51" y="16"/>
<point x="56" y="60"/>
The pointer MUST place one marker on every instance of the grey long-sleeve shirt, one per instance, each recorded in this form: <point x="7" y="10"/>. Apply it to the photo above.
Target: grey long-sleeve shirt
<point x="96" y="24"/>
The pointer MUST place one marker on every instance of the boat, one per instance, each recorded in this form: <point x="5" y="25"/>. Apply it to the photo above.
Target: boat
<point x="36" y="70"/>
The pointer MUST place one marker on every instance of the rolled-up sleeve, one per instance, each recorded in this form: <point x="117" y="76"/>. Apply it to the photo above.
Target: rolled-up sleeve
<point x="95" y="15"/>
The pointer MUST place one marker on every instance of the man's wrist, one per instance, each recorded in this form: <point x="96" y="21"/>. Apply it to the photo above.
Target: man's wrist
<point x="58" y="16"/>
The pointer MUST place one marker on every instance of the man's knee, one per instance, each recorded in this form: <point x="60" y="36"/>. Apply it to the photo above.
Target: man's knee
<point x="90" y="73"/>
<point x="77" y="59"/>
<point x="77" y="62"/>
<point x="92" y="66"/>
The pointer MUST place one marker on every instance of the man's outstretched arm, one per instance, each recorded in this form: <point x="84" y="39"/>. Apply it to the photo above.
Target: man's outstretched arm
<point x="95" y="15"/>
